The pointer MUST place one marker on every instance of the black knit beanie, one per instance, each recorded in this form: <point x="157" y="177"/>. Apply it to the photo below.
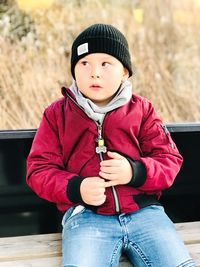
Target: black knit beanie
<point x="101" y="38"/>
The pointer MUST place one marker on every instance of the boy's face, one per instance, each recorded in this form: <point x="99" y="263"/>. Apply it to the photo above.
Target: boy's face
<point x="98" y="77"/>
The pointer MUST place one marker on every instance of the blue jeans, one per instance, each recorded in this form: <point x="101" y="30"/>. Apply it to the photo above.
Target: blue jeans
<point x="147" y="237"/>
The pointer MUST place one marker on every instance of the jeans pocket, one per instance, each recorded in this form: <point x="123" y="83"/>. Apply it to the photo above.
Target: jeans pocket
<point x="71" y="213"/>
<point x="67" y="215"/>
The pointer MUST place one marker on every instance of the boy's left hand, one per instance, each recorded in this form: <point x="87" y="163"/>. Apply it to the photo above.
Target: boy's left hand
<point x="116" y="170"/>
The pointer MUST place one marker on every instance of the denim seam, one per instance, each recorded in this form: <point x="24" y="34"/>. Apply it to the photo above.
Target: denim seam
<point x="113" y="257"/>
<point x="141" y="254"/>
<point x="185" y="264"/>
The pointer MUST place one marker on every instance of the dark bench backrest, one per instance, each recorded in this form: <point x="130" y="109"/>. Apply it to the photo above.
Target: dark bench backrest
<point x="22" y="212"/>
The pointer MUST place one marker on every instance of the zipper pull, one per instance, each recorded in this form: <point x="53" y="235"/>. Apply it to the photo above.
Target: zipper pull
<point x="101" y="148"/>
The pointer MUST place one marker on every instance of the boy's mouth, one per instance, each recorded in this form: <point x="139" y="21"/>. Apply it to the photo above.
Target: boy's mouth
<point x="95" y="87"/>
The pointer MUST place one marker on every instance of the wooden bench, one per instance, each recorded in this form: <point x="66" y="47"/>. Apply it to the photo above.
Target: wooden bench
<point x="45" y="250"/>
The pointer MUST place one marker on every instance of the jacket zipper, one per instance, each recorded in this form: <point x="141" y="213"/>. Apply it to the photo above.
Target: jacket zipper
<point x="166" y="131"/>
<point x="101" y="149"/>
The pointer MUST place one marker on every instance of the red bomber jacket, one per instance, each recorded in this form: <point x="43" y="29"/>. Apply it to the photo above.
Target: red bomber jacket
<point x="63" y="153"/>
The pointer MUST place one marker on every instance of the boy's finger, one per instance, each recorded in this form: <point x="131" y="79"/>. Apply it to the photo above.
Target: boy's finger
<point x="99" y="202"/>
<point x="108" y="169"/>
<point x="114" y="155"/>
<point x="110" y="163"/>
<point x="110" y="183"/>
<point x="108" y="176"/>
<point x="100" y="182"/>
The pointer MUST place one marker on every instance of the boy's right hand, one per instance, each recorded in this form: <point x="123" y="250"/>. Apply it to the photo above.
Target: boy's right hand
<point x="92" y="191"/>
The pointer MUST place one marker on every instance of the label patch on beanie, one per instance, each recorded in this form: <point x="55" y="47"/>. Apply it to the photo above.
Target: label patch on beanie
<point x="82" y="49"/>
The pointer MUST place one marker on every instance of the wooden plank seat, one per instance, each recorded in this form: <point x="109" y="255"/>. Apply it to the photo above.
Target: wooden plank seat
<point x="45" y="250"/>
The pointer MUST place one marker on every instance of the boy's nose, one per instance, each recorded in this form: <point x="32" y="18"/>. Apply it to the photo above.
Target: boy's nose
<point x="95" y="73"/>
<point x="95" y="76"/>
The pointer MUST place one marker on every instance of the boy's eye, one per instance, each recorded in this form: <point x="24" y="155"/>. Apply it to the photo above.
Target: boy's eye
<point x="104" y="64"/>
<point x="84" y="63"/>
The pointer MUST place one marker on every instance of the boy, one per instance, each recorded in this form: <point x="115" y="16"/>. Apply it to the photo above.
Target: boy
<point x="103" y="156"/>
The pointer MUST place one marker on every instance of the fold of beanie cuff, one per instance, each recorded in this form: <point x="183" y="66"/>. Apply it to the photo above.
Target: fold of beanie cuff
<point x="101" y="45"/>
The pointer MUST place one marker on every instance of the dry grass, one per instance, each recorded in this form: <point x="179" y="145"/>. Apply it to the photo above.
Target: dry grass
<point x="164" y="40"/>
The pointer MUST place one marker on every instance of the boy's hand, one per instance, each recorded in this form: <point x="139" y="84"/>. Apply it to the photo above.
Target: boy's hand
<point x="116" y="170"/>
<point x="92" y="191"/>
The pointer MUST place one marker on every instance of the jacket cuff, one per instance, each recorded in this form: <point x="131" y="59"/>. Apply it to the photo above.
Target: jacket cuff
<point x="139" y="173"/>
<point x="73" y="189"/>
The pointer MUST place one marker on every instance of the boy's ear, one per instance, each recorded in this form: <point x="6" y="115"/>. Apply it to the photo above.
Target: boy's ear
<point x="126" y="74"/>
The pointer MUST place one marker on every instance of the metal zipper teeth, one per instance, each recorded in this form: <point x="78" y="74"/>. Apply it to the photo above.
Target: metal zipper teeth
<point x="116" y="200"/>
<point x="166" y="131"/>
<point x="115" y="196"/>
<point x="117" y="207"/>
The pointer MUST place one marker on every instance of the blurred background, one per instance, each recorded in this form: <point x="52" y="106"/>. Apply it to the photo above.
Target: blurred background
<point x="35" y="42"/>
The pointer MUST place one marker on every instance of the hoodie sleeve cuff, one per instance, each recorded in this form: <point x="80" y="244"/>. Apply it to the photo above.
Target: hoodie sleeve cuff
<point x="139" y="173"/>
<point x="73" y="189"/>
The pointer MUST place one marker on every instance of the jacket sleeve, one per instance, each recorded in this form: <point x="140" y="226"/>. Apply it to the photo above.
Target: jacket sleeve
<point x="160" y="159"/>
<point x="46" y="173"/>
